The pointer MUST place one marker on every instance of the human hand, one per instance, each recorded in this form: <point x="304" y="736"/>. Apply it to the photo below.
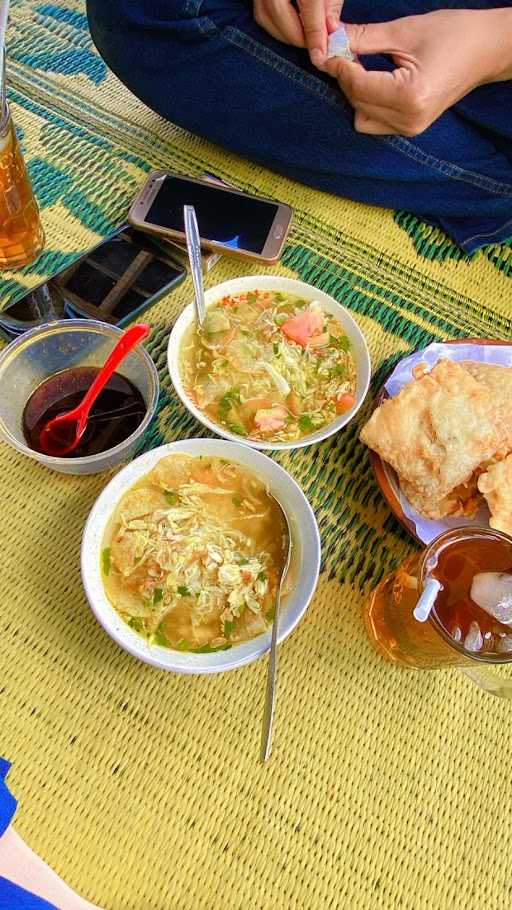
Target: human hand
<point x="439" y="57"/>
<point x="308" y="28"/>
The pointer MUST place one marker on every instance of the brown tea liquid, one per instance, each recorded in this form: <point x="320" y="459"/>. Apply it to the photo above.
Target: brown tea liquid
<point x="115" y="415"/>
<point x="21" y="232"/>
<point x="388" y="612"/>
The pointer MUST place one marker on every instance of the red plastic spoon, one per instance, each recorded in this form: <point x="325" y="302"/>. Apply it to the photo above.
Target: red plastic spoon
<point x="63" y="433"/>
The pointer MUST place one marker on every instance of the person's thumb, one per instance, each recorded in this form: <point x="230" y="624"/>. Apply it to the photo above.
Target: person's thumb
<point x="378" y="38"/>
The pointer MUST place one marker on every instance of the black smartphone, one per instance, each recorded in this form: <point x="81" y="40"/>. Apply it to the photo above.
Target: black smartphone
<point x="114" y="282"/>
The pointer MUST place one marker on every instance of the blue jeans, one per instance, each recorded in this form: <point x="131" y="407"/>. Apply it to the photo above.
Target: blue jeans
<point x="208" y="67"/>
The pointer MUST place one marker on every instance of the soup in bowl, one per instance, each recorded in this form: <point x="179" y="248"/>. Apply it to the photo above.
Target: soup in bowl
<point x="184" y="549"/>
<point x="194" y="553"/>
<point x="277" y="364"/>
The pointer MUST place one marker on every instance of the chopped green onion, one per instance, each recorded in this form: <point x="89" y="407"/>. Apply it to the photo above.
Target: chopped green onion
<point x="243" y="561"/>
<point x="158" y="595"/>
<point x="137" y="623"/>
<point x="275" y="348"/>
<point x="251" y="297"/>
<point x="183" y="645"/>
<point x="171" y="497"/>
<point x="236" y="501"/>
<point x="270" y="614"/>
<point x="159" y="638"/>
<point x="228" y="628"/>
<point x="183" y="591"/>
<point x="227" y="401"/>
<point x="343" y="342"/>
<point x="225" y="405"/>
<point x="207" y="649"/>
<point x="137" y="559"/>
<point x="236" y="428"/>
<point x="305" y="422"/>
<point x="262" y="576"/>
<point x="105" y="560"/>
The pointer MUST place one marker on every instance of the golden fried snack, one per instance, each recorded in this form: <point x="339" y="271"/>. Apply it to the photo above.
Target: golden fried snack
<point x="496" y="485"/>
<point x="437" y="431"/>
<point x="498" y="380"/>
<point x="464" y="500"/>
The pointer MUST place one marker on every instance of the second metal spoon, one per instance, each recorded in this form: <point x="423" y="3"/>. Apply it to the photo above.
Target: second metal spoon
<point x="270" y="693"/>
<point x="194" y="255"/>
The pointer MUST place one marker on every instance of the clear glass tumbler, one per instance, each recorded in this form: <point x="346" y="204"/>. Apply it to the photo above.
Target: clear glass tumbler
<point x="49" y="349"/>
<point x="21" y="231"/>
<point x="399" y="636"/>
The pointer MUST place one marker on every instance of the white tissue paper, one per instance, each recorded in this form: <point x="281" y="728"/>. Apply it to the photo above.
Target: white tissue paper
<point x="426" y="528"/>
<point x="338" y="46"/>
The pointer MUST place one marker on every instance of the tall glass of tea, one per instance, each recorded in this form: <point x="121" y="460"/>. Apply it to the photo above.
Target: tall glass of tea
<point x="21" y="232"/>
<point x="464" y="579"/>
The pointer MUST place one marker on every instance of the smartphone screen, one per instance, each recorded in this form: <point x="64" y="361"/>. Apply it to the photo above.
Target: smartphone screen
<point x="113" y="282"/>
<point x="239" y="222"/>
<point x="119" y="276"/>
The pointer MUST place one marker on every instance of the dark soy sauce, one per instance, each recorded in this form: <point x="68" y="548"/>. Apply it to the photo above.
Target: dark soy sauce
<point x="116" y="413"/>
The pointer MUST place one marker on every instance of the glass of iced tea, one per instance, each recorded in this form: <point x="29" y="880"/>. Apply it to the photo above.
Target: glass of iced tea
<point x="21" y="232"/>
<point x="468" y="621"/>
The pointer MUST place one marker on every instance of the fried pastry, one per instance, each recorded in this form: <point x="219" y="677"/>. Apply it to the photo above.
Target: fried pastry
<point x="498" y="380"/>
<point x="463" y="501"/>
<point x="436" y="432"/>
<point x="496" y="485"/>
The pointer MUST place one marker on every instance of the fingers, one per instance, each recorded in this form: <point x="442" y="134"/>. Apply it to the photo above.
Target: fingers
<point x="379" y="38"/>
<point x="280" y="19"/>
<point x="313" y="15"/>
<point x="333" y="10"/>
<point x="365" y="124"/>
<point x="383" y="89"/>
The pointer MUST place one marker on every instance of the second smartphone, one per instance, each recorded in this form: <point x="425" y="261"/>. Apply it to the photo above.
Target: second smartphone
<point x="229" y="221"/>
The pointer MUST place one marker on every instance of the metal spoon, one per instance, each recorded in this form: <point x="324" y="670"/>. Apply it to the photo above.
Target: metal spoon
<point x="194" y="255"/>
<point x="270" y="693"/>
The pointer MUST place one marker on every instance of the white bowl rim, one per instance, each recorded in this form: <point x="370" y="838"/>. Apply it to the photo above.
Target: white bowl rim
<point x="274" y="282"/>
<point x="166" y="658"/>
<point x="99" y="327"/>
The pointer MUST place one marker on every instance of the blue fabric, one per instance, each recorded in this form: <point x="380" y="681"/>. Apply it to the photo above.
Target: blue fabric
<point x="12" y="897"/>
<point x="207" y="66"/>
<point x="7" y="801"/>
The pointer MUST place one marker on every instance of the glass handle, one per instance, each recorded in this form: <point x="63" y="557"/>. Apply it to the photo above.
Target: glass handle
<point x="488" y="681"/>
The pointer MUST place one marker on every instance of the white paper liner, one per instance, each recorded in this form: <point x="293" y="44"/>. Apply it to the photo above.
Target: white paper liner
<point x="427" y="529"/>
<point x="338" y="46"/>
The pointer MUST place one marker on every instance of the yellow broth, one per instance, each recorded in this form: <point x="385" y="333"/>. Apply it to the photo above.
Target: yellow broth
<point x="268" y="366"/>
<point x="194" y="553"/>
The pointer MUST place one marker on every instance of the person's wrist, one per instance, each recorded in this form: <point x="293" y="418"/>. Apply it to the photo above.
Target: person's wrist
<point x="496" y="40"/>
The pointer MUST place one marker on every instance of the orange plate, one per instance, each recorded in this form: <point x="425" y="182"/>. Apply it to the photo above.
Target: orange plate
<point x="384" y="473"/>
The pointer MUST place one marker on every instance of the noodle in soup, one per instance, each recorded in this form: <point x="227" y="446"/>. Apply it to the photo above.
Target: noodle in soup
<point x="268" y="366"/>
<point x="193" y="554"/>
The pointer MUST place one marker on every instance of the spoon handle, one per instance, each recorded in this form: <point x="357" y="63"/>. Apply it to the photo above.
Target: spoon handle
<point x="194" y="255"/>
<point x="129" y="339"/>
<point x="270" y="692"/>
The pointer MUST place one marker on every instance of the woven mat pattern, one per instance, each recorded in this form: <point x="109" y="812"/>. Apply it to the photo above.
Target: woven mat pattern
<point x="387" y="788"/>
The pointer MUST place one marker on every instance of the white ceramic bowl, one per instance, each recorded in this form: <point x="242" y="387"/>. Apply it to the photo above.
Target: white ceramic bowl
<point x="287" y="286"/>
<point x="305" y="560"/>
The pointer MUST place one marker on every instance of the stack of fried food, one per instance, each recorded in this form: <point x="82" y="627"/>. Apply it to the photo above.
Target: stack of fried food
<point x="448" y="435"/>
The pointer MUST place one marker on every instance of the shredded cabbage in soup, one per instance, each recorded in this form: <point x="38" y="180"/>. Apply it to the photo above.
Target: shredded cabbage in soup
<point x="269" y="366"/>
<point x="194" y="554"/>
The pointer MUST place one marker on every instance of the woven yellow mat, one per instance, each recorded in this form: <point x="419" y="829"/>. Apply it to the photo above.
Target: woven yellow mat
<point x="387" y="788"/>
